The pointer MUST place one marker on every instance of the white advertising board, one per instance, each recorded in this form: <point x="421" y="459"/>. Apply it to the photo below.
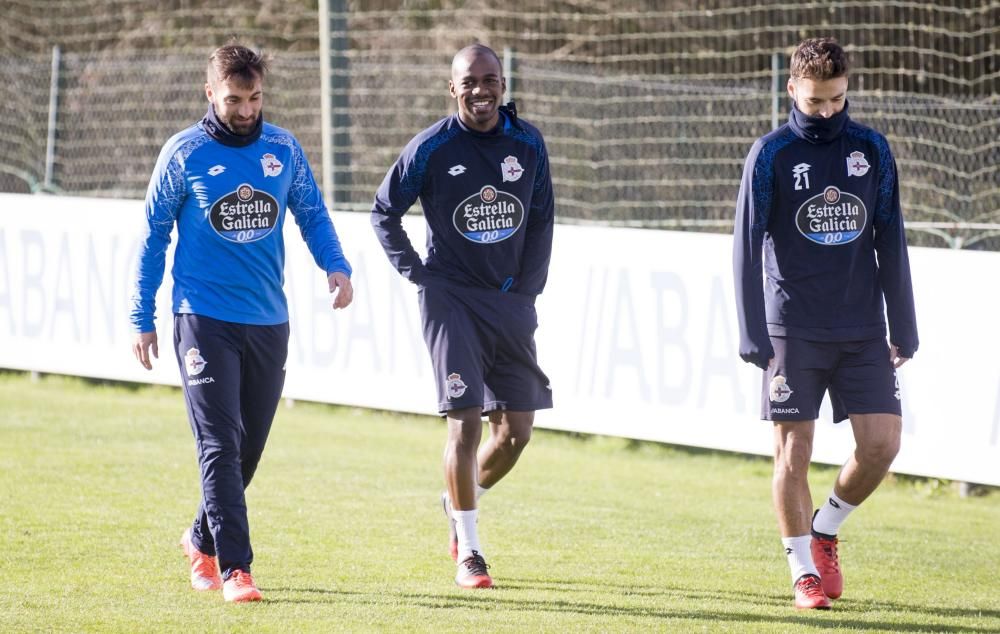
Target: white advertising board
<point x="637" y="333"/>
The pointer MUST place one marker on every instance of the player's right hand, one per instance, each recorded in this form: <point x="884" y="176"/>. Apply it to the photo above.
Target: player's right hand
<point x="144" y="342"/>
<point x="341" y="290"/>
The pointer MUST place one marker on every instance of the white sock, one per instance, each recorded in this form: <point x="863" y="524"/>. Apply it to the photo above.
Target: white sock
<point x="480" y="492"/>
<point x="465" y="527"/>
<point x="831" y="515"/>
<point x="800" y="559"/>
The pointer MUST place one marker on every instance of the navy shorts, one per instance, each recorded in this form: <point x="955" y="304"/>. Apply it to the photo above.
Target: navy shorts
<point x="482" y="347"/>
<point x="858" y="375"/>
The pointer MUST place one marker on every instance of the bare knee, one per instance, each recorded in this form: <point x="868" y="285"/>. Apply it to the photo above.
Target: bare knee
<point x="881" y="451"/>
<point x="465" y="428"/>
<point x="877" y="438"/>
<point x="792" y="455"/>
<point x="511" y="431"/>
<point x="511" y="440"/>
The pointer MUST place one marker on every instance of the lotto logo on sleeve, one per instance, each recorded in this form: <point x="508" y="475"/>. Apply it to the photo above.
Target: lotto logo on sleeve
<point x="489" y="216"/>
<point x="832" y="218"/>
<point x="245" y="215"/>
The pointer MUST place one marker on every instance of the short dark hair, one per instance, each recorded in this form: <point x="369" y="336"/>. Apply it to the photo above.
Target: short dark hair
<point x="479" y="49"/>
<point x="235" y="61"/>
<point x="819" y="59"/>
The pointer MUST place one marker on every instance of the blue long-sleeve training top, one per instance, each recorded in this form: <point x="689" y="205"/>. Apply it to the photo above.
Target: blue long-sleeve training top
<point x="227" y="195"/>
<point x="819" y="210"/>
<point x="487" y="199"/>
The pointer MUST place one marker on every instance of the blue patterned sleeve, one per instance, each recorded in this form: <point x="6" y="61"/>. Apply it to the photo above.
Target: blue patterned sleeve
<point x="541" y="220"/>
<point x="164" y="197"/>
<point x="753" y="207"/>
<point x="306" y="204"/>
<point x="893" y="257"/>
<point x="399" y="190"/>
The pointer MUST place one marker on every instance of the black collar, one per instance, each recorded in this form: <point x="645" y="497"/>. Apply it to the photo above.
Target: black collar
<point x="218" y="131"/>
<point x="817" y="129"/>
<point x="507" y="117"/>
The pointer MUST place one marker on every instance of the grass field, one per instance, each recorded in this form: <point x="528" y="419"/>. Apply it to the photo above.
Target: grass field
<point x="587" y="534"/>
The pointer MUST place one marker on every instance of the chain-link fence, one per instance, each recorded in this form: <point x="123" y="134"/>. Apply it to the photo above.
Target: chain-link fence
<point x="648" y="107"/>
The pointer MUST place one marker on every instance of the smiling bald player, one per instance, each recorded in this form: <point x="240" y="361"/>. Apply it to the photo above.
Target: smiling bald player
<point x="482" y="178"/>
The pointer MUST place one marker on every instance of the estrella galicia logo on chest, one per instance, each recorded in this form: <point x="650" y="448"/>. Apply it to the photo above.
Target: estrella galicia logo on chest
<point x="832" y="218"/>
<point x="489" y="215"/>
<point x="245" y="215"/>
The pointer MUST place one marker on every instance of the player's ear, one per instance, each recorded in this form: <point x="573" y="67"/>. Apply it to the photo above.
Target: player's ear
<point x="208" y="91"/>
<point x="791" y="88"/>
<point x="451" y="89"/>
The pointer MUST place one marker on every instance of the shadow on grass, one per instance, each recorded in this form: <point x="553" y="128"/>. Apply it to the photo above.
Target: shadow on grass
<point x="820" y="620"/>
<point x="776" y="599"/>
<point x="308" y="595"/>
<point x="729" y="607"/>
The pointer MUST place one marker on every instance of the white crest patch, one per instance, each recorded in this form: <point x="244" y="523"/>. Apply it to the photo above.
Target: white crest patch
<point x="454" y="386"/>
<point x="857" y="164"/>
<point x="272" y="166"/>
<point x="511" y="169"/>
<point x="779" y="390"/>
<point x="194" y="362"/>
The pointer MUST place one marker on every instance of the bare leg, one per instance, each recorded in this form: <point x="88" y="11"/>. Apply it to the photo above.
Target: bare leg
<point x="876" y="437"/>
<point x="465" y="429"/>
<point x="509" y="434"/>
<point x="790" y="487"/>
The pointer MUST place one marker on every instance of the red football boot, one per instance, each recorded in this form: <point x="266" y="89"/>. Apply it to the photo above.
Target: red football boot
<point x="824" y="552"/>
<point x="809" y="594"/>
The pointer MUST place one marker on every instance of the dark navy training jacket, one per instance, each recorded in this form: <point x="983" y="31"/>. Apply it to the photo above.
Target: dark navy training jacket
<point x="487" y="199"/>
<point x="819" y="209"/>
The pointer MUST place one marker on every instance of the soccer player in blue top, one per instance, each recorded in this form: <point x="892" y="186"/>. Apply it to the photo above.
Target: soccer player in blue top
<point x="482" y="178"/>
<point x="819" y="210"/>
<point x="225" y="183"/>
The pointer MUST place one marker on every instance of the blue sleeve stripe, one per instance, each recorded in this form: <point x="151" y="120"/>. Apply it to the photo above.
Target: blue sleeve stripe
<point x="763" y="182"/>
<point x="886" y="169"/>
<point x="413" y="179"/>
<point x="532" y="141"/>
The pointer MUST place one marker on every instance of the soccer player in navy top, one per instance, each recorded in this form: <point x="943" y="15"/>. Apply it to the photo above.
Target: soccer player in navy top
<point x="819" y="210"/>
<point x="225" y="183"/>
<point x="482" y="178"/>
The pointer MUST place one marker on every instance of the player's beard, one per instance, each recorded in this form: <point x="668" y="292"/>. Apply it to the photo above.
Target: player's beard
<point x="240" y="128"/>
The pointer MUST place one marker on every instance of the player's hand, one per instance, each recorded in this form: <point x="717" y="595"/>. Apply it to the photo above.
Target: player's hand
<point x="894" y="357"/>
<point x="144" y="342"/>
<point x="341" y="291"/>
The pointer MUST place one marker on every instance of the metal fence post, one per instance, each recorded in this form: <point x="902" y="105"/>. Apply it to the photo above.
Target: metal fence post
<point x="326" y="175"/>
<point x="50" y="142"/>
<point x="508" y="72"/>
<point x="334" y="85"/>
<point x="775" y="88"/>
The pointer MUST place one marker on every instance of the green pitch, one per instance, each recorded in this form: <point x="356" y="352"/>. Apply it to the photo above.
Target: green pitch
<point x="587" y="534"/>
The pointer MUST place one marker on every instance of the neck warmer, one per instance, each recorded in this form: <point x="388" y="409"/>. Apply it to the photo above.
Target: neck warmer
<point x="218" y="130"/>
<point x="817" y="129"/>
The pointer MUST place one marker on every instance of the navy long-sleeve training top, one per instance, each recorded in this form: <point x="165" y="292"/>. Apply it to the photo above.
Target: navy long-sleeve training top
<point x="819" y="209"/>
<point x="487" y="199"/>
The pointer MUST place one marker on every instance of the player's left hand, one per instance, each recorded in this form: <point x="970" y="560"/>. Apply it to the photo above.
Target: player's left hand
<point x="894" y="357"/>
<point x="341" y="291"/>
